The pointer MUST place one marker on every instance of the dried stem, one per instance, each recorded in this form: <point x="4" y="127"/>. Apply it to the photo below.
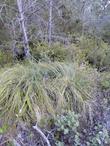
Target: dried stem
<point x="42" y="134"/>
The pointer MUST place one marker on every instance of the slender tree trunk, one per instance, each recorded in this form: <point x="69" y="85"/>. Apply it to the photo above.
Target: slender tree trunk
<point x="50" y="22"/>
<point x="24" y="31"/>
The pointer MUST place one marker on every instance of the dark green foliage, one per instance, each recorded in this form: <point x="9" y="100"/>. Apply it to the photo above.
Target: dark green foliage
<point x="95" y="51"/>
<point x="6" y="58"/>
<point x="105" y="80"/>
<point x="89" y="49"/>
<point x="70" y="131"/>
<point x="4" y="33"/>
<point x="67" y="125"/>
<point x="57" y="52"/>
<point x="105" y="34"/>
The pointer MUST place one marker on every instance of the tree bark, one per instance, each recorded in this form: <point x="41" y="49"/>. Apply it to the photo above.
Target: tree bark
<point x="24" y="31"/>
<point x="50" y="22"/>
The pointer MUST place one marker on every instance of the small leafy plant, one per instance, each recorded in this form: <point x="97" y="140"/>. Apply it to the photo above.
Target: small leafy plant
<point x="100" y="138"/>
<point x="105" y="80"/>
<point x="67" y="125"/>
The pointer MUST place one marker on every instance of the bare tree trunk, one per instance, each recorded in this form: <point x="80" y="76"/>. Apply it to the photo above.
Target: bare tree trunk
<point x="50" y="22"/>
<point x="24" y="31"/>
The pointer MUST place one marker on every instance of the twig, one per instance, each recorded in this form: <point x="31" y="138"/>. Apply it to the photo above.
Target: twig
<point x="4" y="142"/>
<point x="42" y="134"/>
<point x="16" y="143"/>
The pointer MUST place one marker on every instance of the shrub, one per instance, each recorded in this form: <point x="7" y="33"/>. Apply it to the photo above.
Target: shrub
<point x="68" y="131"/>
<point x="98" y="136"/>
<point x="67" y="125"/>
<point x="56" y="52"/>
<point x="106" y="33"/>
<point x="6" y="57"/>
<point x="95" y="51"/>
<point x="88" y="49"/>
<point x="105" y="80"/>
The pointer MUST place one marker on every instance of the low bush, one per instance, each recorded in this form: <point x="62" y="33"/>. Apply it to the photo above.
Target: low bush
<point x="67" y="125"/>
<point x="70" y="131"/>
<point x="96" y="52"/>
<point x="105" y="80"/>
<point x="89" y="49"/>
<point x="6" y="58"/>
<point x="56" y="52"/>
<point x="105" y="33"/>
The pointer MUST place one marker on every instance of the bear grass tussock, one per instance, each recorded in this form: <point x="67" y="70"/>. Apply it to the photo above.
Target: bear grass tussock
<point x="31" y="91"/>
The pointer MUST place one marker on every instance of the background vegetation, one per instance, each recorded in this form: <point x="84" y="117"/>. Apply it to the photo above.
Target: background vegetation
<point x="55" y="72"/>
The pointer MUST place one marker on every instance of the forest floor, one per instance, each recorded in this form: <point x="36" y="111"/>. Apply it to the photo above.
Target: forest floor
<point x="27" y="136"/>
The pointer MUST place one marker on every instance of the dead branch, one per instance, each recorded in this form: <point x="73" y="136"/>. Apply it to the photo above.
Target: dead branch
<point x="42" y="134"/>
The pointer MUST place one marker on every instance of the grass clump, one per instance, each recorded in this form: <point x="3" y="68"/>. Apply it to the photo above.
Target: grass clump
<point x="30" y="90"/>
